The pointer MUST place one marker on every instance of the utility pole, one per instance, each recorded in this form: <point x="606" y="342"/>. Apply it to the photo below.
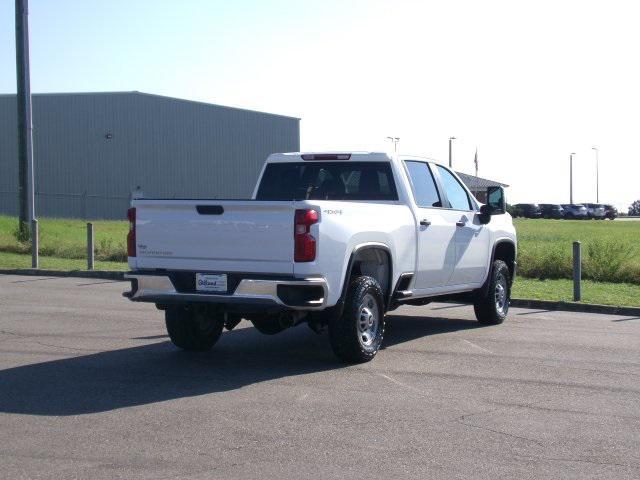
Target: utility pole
<point x="451" y="139"/>
<point x="25" y="131"/>
<point x="595" y="149"/>
<point x="571" y="178"/>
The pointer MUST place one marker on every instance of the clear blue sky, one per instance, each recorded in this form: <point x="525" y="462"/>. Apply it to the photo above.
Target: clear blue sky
<point x="524" y="82"/>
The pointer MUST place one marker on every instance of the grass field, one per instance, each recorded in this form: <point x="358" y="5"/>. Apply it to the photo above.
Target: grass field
<point x="17" y="260"/>
<point x="592" y="292"/>
<point x="67" y="239"/>
<point x="619" y="294"/>
<point x="611" y="255"/>
<point x="610" y="250"/>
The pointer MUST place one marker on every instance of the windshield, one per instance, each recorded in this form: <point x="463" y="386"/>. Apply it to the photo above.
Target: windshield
<point x="327" y="181"/>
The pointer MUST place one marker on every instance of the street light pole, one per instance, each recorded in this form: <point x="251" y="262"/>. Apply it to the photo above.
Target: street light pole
<point x="395" y="141"/>
<point x="451" y="139"/>
<point x="595" y="149"/>
<point x="571" y="178"/>
<point x="25" y="129"/>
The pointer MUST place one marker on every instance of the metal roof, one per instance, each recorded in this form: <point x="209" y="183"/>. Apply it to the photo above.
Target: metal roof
<point x="477" y="183"/>
<point x="135" y="92"/>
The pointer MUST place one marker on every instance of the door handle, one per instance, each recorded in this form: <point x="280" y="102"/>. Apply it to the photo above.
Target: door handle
<point x="424" y="222"/>
<point x="460" y="223"/>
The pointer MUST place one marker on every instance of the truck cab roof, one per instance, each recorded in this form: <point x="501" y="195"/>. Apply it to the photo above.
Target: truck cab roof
<point x="345" y="156"/>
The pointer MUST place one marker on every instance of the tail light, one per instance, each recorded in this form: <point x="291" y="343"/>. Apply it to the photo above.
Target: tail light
<point x="305" y="243"/>
<point x="131" y="236"/>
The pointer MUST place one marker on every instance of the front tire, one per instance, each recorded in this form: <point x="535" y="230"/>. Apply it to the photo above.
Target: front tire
<point x="356" y="336"/>
<point x="492" y="308"/>
<point x="193" y="328"/>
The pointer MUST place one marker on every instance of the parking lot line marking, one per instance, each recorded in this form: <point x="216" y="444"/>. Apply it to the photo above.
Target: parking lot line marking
<point x="534" y="312"/>
<point x="398" y="382"/>
<point x="30" y="280"/>
<point x="626" y="319"/>
<point x="478" y="347"/>
<point x="98" y="283"/>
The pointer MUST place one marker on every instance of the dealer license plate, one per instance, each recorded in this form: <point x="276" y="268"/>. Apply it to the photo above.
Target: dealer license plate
<point x="206" y="282"/>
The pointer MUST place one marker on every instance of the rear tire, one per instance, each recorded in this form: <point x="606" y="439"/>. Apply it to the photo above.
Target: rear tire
<point x="193" y="328"/>
<point x="356" y="336"/>
<point x="492" y="308"/>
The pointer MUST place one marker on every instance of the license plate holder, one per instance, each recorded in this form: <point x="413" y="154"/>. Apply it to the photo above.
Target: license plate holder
<point x="210" y="282"/>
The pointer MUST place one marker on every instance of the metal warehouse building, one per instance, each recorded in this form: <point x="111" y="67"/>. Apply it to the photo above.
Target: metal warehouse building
<point x="91" y="150"/>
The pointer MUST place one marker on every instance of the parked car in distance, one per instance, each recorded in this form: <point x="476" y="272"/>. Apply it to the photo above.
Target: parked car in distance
<point x="527" y="210"/>
<point x="551" y="210"/>
<point x="595" y="211"/>
<point x="575" y="211"/>
<point x="610" y="212"/>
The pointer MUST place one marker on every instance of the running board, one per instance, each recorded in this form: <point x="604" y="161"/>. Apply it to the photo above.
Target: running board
<point x="403" y="294"/>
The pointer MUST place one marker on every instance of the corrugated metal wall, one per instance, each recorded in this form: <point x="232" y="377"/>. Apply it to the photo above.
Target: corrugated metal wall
<point x="168" y="147"/>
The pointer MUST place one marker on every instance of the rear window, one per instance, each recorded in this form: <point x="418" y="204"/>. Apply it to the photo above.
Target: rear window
<point x="327" y="181"/>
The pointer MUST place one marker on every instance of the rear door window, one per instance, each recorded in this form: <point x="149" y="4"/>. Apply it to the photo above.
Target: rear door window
<point x="327" y="181"/>
<point x="424" y="188"/>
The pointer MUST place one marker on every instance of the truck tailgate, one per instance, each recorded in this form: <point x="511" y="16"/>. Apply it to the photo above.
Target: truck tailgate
<point x="211" y="235"/>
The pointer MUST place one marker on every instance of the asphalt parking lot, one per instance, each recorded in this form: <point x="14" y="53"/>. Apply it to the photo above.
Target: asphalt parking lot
<point x="90" y="387"/>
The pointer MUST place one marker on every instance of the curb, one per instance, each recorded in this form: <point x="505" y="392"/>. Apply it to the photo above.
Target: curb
<point x="515" y="302"/>
<point x="575" y="307"/>
<point x="103" y="274"/>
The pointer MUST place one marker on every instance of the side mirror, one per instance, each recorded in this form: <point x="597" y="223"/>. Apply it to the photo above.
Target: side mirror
<point x="496" y="204"/>
<point x="496" y="201"/>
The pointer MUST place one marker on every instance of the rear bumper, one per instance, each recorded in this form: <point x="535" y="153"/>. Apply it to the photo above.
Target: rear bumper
<point x="248" y="294"/>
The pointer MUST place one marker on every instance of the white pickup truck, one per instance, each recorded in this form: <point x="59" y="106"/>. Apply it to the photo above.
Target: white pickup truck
<point x="330" y="239"/>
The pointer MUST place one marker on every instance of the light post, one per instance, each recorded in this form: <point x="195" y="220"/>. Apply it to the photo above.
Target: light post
<point x="571" y="178"/>
<point x="451" y="139"/>
<point x="26" y="183"/>
<point x="395" y="141"/>
<point x="595" y="149"/>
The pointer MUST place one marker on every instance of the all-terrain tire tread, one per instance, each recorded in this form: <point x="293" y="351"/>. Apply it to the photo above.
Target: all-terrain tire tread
<point x="343" y="334"/>
<point x="184" y="332"/>
<point x="484" y="306"/>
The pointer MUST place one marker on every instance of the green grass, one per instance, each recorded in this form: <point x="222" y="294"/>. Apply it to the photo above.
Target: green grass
<point x="619" y="294"/>
<point x="611" y="253"/>
<point x="17" y="260"/>
<point x="63" y="238"/>
<point x="610" y="250"/>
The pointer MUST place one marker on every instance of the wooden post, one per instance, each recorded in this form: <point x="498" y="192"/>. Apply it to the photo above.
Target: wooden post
<point x="577" y="272"/>
<point x="90" y="249"/>
<point x="35" y="244"/>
